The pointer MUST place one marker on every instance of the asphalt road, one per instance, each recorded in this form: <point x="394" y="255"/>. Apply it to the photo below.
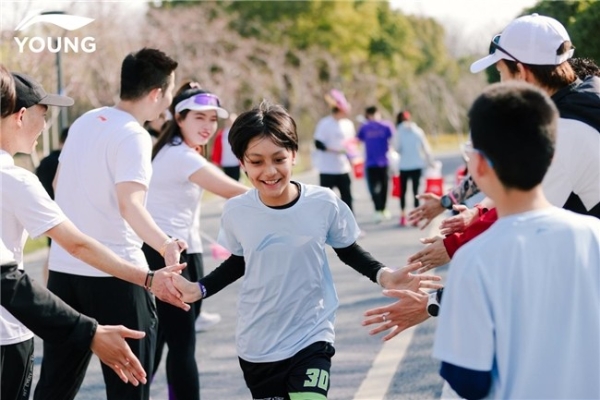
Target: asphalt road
<point x="364" y="367"/>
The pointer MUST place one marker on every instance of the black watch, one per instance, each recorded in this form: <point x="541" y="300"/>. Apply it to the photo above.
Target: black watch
<point x="433" y="302"/>
<point x="446" y="202"/>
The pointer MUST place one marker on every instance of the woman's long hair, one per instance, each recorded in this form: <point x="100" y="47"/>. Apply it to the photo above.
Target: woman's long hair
<point x="171" y="132"/>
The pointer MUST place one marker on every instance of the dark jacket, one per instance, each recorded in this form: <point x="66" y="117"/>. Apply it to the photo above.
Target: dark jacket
<point x="44" y="313"/>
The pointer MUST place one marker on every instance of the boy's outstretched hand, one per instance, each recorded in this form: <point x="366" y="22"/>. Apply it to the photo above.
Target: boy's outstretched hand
<point x="405" y="278"/>
<point x="190" y="291"/>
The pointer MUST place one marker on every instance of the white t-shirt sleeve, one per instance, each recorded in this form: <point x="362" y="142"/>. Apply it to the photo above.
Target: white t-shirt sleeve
<point x="133" y="159"/>
<point x="343" y="229"/>
<point x="465" y="331"/>
<point x="190" y="162"/>
<point x="227" y="237"/>
<point x="34" y="209"/>
<point x="321" y="132"/>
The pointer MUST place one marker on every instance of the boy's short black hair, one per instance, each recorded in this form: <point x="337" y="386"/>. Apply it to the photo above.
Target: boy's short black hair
<point x="514" y="125"/>
<point x="144" y="71"/>
<point x="266" y="120"/>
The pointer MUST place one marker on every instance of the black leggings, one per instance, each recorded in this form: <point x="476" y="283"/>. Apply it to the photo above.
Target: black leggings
<point x="377" y="179"/>
<point x="405" y="176"/>
<point x="176" y="329"/>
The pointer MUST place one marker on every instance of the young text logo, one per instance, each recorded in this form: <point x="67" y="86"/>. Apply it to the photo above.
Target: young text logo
<point x="38" y="44"/>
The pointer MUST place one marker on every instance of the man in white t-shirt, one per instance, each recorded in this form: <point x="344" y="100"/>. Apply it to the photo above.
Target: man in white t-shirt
<point x="520" y="316"/>
<point x="26" y="209"/>
<point x="332" y="136"/>
<point x="102" y="180"/>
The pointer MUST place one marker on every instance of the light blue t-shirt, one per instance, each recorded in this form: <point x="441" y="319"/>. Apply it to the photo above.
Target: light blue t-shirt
<point x="287" y="300"/>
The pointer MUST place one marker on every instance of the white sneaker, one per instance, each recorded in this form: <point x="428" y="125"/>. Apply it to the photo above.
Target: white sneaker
<point x="206" y="320"/>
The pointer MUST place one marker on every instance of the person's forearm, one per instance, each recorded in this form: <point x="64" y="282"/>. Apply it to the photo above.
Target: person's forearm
<point x="44" y="313"/>
<point x="464" y="190"/>
<point x="360" y="260"/>
<point x="225" y="274"/>
<point x="143" y="225"/>
<point x="95" y="254"/>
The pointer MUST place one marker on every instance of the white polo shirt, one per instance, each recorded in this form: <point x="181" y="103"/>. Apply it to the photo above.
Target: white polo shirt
<point x="26" y="208"/>
<point x="174" y="200"/>
<point x="106" y="146"/>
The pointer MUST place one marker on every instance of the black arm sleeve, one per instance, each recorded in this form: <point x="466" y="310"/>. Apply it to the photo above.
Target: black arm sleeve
<point x="320" y="145"/>
<point x="44" y="313"/>
<point x="225" y="274"/>
<point x="361" y="260"/>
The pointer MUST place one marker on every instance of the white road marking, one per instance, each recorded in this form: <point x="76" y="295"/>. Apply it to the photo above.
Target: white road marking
<point x="378" y="379"/>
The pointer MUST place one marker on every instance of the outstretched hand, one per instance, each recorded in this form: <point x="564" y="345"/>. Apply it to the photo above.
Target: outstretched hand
<point x="404" y="278"/>
<point x="111" y="348"/>
<point x="163" y="288"/>
<point x="429" y="208"/>
<point x="190" y="291"/>
<point x="432" y="256"/>
<point x="459" y="223"/>
<point x="408" y="311"/>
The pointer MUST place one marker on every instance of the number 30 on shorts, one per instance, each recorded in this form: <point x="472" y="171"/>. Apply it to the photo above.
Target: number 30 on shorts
<point x="317" y="378"/>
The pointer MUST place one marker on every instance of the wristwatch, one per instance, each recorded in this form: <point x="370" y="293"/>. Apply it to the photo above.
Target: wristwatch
<point x="433" y="302"/>
<point x="446" y="202"/>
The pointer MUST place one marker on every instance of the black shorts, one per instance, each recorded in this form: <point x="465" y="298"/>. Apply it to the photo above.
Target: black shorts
<point x="304" y="376"/>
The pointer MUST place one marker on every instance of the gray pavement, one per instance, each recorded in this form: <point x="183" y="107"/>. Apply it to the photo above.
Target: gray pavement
<point x="407" y="372"/>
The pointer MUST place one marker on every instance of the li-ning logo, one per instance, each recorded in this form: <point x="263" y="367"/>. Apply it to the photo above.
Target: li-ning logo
<point x="37" y="44"/>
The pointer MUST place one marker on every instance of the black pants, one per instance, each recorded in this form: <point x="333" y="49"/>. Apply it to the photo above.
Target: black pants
<point x="111" y="301"/>
<point x="232" y="172"/>
<point x="305" y="372"/>
<point x="176" y="329"/>
<point x="341" y="182"/>
<point x="413" y="175"/>
<point x="16" y="370"/>
<point x="377" y="179"/>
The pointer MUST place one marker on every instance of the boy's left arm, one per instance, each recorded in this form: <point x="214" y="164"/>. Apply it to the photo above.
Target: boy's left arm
<point x="403" y="278"/>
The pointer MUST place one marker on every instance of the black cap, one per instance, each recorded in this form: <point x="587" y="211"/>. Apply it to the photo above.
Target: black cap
<point x="29" y="93"/>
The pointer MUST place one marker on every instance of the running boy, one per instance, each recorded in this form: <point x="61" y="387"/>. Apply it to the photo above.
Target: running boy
<point x="277" y="234"/>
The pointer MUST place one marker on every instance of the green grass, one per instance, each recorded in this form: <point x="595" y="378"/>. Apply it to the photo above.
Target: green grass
<point x="35" y="244"/>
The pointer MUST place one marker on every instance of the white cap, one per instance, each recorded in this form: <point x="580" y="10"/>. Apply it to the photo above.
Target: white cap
<point x="531" y="39"/>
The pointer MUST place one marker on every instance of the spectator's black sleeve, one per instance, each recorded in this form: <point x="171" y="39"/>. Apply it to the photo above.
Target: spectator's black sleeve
<point x="361" y="260"/>
<point x="228" y="272"/>
<point x="320" y="145"/>
<point x="44" y="313"/>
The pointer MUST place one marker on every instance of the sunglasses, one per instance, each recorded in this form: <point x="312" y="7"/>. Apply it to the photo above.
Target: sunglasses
<point x="201" y="99"/>
<point x="495" y="46"/>
<point x="467" y="151"/>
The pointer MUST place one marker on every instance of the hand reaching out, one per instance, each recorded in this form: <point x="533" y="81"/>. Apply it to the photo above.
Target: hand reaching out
<point x="459" y="223"/>
<point x="432" y="256"/>
<point x="111" y="348"/>
<point x="404" y="278"/>
<point x="429" y="208"/>
<point x="163" y="288"/>
<point x="190" y="291"/>
<point x="409" y="310"/>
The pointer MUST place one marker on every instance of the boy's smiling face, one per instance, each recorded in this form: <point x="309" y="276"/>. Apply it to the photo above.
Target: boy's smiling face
<point x="269" y="168"/>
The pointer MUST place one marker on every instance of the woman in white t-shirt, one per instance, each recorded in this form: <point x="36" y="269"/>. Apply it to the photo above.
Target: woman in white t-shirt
<point x="180" y="175"/>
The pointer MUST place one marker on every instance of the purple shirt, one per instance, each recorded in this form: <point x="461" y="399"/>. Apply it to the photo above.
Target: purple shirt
<point x="376" y="136"/>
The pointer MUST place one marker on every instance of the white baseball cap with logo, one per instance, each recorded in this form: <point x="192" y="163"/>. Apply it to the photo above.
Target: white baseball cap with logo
<point x="532" y="39"/>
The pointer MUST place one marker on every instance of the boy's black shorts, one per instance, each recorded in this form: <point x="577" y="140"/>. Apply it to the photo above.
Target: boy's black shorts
<point x="303" y="376"/>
